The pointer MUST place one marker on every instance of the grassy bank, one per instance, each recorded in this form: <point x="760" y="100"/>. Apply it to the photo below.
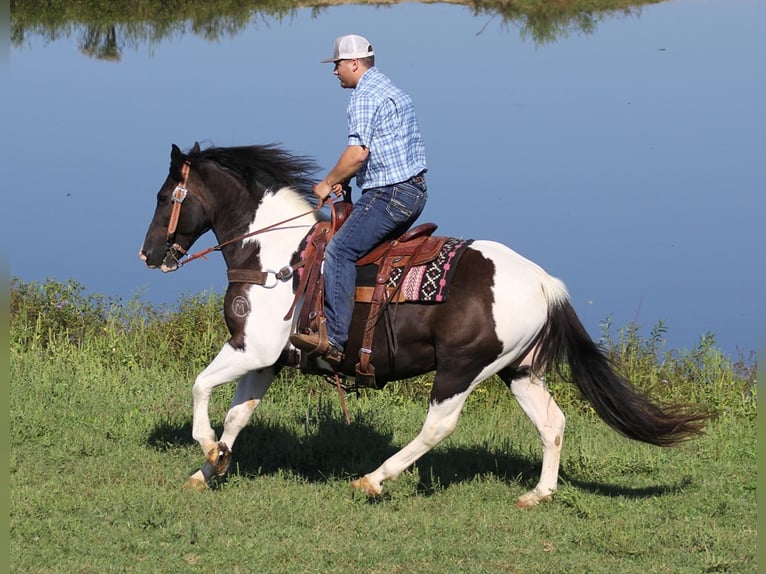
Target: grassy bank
<point x="101" y="445"/>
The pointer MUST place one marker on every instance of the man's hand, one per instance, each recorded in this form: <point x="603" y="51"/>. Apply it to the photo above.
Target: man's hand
<point x="323" y="189"/>
<point x="352" y="158"/>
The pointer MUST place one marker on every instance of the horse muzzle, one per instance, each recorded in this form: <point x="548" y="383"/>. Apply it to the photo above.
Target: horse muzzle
<point x="170" y="261"/>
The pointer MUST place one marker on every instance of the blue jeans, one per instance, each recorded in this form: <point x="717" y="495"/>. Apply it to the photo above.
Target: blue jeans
<point x="381" y="213"/>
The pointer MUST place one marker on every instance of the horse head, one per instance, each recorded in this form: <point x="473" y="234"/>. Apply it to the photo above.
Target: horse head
<point x="222" y="189"/>
<point x="180" y="216"/>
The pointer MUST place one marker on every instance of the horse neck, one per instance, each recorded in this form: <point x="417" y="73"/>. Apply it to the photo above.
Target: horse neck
<point x="271" y="224"/>
<point x="228" y="203"/>
<point x="286" y="219"/>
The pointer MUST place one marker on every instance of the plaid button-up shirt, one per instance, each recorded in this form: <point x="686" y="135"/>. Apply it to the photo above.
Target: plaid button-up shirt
<point x="381" y="117"/>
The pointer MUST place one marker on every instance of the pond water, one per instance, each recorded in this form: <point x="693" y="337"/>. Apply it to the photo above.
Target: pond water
<point x="627" y="161"/>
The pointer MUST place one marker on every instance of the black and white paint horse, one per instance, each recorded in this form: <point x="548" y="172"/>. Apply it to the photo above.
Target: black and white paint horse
<point x="505" y="316"/>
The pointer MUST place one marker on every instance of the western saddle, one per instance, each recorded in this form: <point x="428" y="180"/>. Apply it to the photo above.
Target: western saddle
<point x="417" y="246"/>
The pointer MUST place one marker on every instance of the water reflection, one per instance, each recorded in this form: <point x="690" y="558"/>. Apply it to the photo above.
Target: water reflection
<point x="107" y="35"/>
<point x="625" y="161"/>
<point x="101" y="42"/>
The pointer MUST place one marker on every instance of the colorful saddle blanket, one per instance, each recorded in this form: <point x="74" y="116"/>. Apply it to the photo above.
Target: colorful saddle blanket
<point x="427" y="283"/>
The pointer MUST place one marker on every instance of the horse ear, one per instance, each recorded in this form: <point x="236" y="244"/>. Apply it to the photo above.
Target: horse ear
<point x="176" y="155"/>
<point x="195" y="149"/>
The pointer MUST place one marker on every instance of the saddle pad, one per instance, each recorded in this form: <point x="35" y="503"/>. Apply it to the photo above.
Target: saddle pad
<point x="428" y="283"/>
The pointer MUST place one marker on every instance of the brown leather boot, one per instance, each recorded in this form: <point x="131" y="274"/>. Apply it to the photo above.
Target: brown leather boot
<point x="309" y="342"/>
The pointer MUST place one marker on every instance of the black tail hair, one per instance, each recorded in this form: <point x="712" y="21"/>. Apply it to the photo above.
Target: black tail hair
<point x="616" y="401"/>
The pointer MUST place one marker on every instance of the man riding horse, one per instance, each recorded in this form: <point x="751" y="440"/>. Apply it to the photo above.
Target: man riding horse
<point x="386" y="154"/>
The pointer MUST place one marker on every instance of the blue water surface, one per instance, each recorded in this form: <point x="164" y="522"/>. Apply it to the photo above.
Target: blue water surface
<point x="628" y="161"/>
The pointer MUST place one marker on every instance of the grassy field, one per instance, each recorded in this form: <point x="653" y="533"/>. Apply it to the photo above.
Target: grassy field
<point x="101" y="445"/>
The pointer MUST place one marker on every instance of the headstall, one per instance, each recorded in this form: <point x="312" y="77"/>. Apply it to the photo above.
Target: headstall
<point x="178" y="196"/>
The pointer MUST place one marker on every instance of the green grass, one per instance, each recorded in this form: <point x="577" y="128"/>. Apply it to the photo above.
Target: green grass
<point x="100" y="419"/>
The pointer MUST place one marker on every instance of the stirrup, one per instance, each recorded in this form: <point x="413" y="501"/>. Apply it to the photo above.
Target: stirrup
<point x="333" y="355"/>
<point x="310" y="347"/>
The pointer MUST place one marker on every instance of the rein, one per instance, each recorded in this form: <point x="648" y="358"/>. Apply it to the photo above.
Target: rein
<point x="179" y="195"/>
<point x="204" y="252"/>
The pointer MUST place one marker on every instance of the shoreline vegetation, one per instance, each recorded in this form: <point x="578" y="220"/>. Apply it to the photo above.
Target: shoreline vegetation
<point x="106" y="28"/>
<point x="55" y="316"/>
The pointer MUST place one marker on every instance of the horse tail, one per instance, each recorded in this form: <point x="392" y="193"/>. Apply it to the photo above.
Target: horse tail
<point x="616" y="401"/>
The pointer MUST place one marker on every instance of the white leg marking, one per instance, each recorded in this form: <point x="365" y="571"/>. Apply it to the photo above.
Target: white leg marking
<point x="439" y="424"/>
<point x="250" y="391"/>
<point x="549" y="421"/>
<point x="227" y="366"/>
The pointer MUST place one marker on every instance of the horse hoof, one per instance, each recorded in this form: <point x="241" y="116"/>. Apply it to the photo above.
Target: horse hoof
<point x="195" y="484"/>
<point x="219" y="458"/>
<point x="532" y="499"/>
<point x="366" y="486"/>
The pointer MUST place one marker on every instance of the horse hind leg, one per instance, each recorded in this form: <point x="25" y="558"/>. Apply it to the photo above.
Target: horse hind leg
<point x="440" y="422"/>
<point x="549" y="420"/>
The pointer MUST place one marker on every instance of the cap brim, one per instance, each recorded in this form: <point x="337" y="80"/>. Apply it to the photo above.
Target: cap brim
<point x="328" y="60"/>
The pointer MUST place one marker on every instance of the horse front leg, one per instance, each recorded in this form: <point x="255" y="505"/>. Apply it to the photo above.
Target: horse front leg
<point x="227" y="366"/>
<point x="439" y="424"/>
<point x="545" y="414"/>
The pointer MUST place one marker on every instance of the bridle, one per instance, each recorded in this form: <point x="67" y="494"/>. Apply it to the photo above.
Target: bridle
<point x="177" y="252"/>
<point x="177" y="197"/>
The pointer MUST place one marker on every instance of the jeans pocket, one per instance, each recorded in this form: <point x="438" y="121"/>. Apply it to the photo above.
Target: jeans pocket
<point x="405" y="204"/>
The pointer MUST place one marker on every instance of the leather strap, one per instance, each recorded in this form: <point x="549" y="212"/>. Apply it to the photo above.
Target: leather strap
<point x="378" y="305"/>
<point x="252" y="276"/>
<point x="178" y="196"/>
<point x="365" y="295"/>
<point x="311" y="286"/>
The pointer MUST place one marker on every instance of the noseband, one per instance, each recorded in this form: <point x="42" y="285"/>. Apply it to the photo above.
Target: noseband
<point x="178" y="196"/>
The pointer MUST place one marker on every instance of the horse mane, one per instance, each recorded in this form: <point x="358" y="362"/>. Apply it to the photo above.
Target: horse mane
<point x="268" y="165"/>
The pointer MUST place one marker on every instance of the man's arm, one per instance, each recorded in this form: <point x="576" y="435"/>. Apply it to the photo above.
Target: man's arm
<point x="348" y="164"/>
